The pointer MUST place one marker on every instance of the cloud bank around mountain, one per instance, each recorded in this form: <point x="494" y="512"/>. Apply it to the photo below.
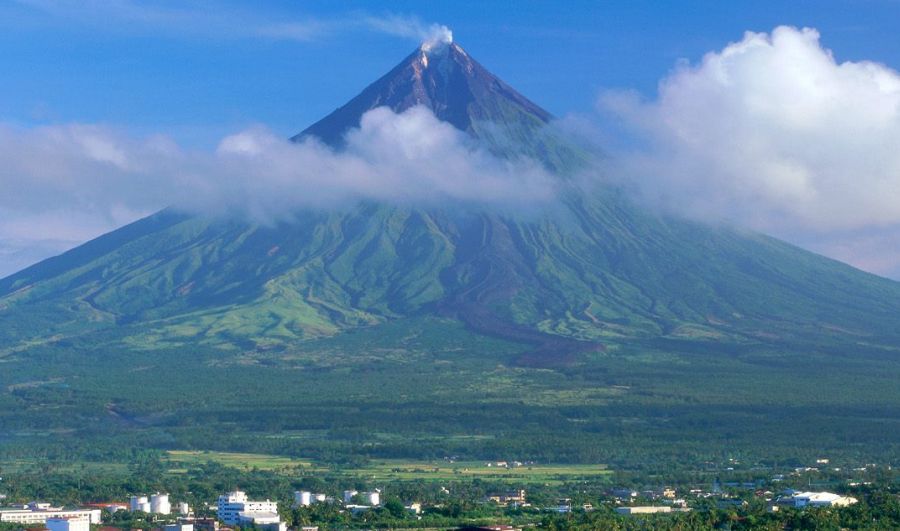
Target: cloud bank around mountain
<point x="66" y="184"/>
<point x="774" y="133"/>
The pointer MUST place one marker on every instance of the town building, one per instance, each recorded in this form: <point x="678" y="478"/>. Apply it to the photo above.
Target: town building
<point x="74" y="523"/>
<point x="504" y="498"/>
<point x="643" y="510"/>
<point x="231" y="506"/>
<point x="39" y="513"/>
<point x="624" y="494"/>
<point x="264" y="521"/>
<point x="816" y="499"/>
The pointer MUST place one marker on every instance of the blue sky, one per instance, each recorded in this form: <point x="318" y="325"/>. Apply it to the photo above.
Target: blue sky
<point x="784" y="131"/>
<point x="200" y="70"/>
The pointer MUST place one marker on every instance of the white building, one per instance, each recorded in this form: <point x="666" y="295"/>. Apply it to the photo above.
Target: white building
<point x="179" y="527"/>
<point x="39" y="513"/>
<point x="266" y="521"/>
<point x="159" y="504"/>
<point x="231" y="506"/>
<point x="818" y="499"/>
<point x="643" y="510"/>
<point x="75" y="523"/>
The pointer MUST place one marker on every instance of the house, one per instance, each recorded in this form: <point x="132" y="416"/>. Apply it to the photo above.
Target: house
<point x="624" y="494"/>
<point x="816" y="499"/>
<point x="643" y="510"/>
<point x="504" y="498"/>
<point x="563" y="506"/>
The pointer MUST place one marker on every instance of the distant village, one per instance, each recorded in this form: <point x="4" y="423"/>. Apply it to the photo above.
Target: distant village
<point x="235" y="509"/>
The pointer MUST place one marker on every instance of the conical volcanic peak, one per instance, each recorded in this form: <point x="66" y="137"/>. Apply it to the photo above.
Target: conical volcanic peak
<point x="444" y="78"/>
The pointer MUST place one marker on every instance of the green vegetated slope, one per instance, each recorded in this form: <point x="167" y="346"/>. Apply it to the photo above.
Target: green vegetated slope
<point x="600" y="271"/>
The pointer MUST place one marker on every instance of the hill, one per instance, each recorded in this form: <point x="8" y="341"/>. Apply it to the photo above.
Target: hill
<point x="596" y="305"/>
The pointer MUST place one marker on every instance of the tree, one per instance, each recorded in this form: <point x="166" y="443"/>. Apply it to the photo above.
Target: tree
<point x="395" y="507"/>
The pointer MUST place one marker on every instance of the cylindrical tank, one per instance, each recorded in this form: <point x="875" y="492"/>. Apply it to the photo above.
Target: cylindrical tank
<point x="184" y="509"/>
<point x="138" y="503"/>
<point x="374" y="498"/>
<point x="159" y="504"/>
<point x="303" y="498"/>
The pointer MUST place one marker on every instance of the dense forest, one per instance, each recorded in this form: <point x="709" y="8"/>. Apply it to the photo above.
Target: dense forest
<point x="430" y="389"/>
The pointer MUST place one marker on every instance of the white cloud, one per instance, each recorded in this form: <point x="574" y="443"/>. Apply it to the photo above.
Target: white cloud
<point x="213" y="20"/>
<point x="65" y="184"/>
<point x="429" y="35"/>
<point x="774" y="133"/>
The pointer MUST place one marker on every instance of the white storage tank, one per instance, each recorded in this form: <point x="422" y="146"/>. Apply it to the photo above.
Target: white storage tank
<point x="159" y="504"/>
<point x="374" y="498"/>
<point x="140" y="503"/>
<point x="302" y="498"/>
<point x="184" y="509"/>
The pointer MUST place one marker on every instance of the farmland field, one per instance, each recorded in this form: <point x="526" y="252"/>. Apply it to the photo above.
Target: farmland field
<point x="393" y="469"/>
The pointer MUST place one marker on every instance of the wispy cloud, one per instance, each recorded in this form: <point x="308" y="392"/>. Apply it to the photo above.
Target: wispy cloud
<point x="219" y="21"/>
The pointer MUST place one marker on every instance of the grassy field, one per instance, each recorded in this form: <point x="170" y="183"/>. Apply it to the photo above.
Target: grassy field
<point x="181" y="459"/>
<point x="78" y="467"/>
<point x="393" y="469"/>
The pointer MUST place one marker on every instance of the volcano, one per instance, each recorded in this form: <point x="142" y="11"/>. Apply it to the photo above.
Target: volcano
<point x="606" y="271"/>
